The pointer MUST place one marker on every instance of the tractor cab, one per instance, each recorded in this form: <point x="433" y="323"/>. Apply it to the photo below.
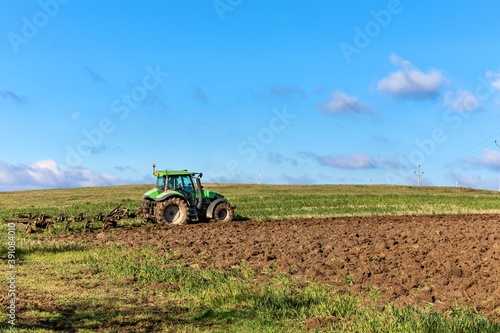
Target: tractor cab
<point x="181" y="183"/>
<point x="174" y="183"/>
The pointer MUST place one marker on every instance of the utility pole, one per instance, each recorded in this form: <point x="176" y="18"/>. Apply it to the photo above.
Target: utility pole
<point x="419" y="174"/>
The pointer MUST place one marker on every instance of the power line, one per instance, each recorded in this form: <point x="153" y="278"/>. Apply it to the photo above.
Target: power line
<point x="476" y="151"/>
<point x="481" y="146"/>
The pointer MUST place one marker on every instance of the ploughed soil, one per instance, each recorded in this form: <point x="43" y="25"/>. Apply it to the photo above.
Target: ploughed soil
<point x="443" y="260"/>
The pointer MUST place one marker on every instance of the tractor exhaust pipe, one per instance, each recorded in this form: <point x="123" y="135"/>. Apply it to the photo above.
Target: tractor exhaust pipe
<point x="200" y="192"/>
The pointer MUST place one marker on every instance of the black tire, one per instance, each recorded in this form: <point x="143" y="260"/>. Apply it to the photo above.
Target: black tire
<point x="147" y="211"/>
<point x="171" y="211"/>
<point x="223" y="212"/>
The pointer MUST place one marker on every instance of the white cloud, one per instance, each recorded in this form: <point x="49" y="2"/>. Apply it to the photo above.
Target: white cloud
<point x="95" y="76"/>
<point x="462" y="101"/>
<point x="227" y="177"/>
<point x="411" y="82"/>
<point x="343" y="103"/>
<point x="279" y="159"/>
<point x="298" y="180"/>
<point x="47" y="174"/>
<point x="287" y="90"/>
<point x="488" y="159"/>
<point x="355" y="161"/>
<point x="473" y="180"/>
<point x="495" y="79"/>
<point x="9" y="94"/>
<point x="200" y="95"/>
<point x="351" y="161"/>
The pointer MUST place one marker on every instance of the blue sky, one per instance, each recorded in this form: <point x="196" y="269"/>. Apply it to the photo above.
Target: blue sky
<point x="326" y="92"/>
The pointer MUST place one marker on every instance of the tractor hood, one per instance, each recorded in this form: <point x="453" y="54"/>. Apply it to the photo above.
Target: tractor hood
<point x="154" y="194"/>
<point x="212" y="195"/>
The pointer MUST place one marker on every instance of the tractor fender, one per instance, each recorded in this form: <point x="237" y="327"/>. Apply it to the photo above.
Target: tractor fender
<point x="165" y="196"/>
<point x="210" y="209"/>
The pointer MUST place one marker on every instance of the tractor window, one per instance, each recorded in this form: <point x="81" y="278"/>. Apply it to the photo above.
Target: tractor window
<point x="187" y="188"/>
<point x="177" y="183"/>
<point x="160" y="183"/>
<point x="172" y="183"/>
<point x="186" y="184"/>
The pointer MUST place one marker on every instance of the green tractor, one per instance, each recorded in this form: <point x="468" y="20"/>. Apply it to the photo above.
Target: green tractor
<point x="179" y="198"/>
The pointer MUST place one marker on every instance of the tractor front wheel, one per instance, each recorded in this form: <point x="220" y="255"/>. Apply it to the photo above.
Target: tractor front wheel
<point x="171" y="211"/>
<point x="223" y="212"/>
<point x="147" y="211"/>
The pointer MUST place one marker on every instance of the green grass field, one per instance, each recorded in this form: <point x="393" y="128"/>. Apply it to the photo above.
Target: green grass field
<point x="262" y="202"/>
<point x="74" y="288"/>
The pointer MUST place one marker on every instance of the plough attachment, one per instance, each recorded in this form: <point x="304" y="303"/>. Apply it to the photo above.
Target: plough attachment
<point x="43" y="221"/>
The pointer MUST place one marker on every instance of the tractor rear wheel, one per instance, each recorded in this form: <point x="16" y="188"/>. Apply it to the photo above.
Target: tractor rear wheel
<point x="223" y="212"/>
<point x="171" y="211"/>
